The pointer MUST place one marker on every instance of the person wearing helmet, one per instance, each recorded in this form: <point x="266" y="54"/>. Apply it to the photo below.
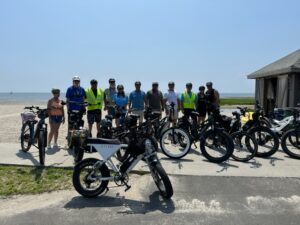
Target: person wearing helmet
<point x="213" y="97"/>
<point x="109" y="94"/>
<point x="172" y="97"/>
<point x="75" y="94"/>
<point x="188" y="102"/>
<point x="137" y="101"/>
<point x="201" y="105"/>
<point x="94" y="97"/>
<point x="121" y="101"/>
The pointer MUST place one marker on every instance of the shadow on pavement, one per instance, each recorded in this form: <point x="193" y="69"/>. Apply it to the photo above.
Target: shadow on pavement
<point x="27" y="156"/>
<point x="273" y="160"/>
<point x="129" y="206"/>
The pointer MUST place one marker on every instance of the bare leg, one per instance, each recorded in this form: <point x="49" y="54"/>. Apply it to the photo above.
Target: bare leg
<point x="50" y="133"/>
<point x="56" y="131"/>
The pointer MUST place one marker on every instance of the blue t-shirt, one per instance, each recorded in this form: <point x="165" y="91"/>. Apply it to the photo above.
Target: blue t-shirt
<point x="137" y="99"/>
<point x="75" y="94"/>
<point x="120" y="100"/>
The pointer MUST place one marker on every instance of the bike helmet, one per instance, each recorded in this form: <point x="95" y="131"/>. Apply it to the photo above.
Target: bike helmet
<point x="94" y="81"/>
<point x="76" y="78"/>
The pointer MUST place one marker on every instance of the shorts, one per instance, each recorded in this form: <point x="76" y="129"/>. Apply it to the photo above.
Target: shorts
<point x="174" y="114"/>
<point x="56" y="119"/>
<point x="94" y="116"/>
<point x="139" y="113"/>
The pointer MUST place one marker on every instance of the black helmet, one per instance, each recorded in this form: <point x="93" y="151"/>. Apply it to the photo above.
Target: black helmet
<point x="189" y="84"/>
<point x="94" y="81"/>
<point x="209" y="84"/>
<point x="120" y="86"/>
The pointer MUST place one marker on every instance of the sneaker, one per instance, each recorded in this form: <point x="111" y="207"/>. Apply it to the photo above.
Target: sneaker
<point x="55" y="145"/>
<point x="48" y="147"/>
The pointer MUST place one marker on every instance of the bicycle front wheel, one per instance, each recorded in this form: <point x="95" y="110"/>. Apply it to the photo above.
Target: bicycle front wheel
<point x="245" y="146"/>
<point x="290" y="143"/>
<point x="26" y="134"/>
<point x="216" y="146"/>
<point x="175" y="143"/>
<point x="161" y="180"/>
<point x="42" y="147"/>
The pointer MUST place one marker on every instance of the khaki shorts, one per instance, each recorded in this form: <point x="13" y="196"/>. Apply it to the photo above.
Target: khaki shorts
<point x="139" y="113"/>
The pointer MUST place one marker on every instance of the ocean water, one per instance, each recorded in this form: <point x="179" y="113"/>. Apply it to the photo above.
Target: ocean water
<point x="44" y="97"/>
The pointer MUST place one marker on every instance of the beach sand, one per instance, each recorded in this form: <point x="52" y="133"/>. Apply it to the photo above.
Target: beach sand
<point x="11" y="123"/>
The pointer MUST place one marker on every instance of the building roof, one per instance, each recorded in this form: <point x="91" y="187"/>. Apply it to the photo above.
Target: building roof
<point x="287" y="64"/>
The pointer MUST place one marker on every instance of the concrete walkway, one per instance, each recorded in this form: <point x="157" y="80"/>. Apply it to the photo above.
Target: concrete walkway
<point x="279" y="165"/>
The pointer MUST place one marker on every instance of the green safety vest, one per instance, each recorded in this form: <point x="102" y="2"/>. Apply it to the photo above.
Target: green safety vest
<point x="96" y="102"/>
<point x="189" y="101"/>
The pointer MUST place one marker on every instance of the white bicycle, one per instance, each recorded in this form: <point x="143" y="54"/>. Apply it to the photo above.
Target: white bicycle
<point x="91" y="176"/>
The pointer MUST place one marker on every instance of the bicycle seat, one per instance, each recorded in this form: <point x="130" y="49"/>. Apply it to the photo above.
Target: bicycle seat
<point x="103" y="141"/>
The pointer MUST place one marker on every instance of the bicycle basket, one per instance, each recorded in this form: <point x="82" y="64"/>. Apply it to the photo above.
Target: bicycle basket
<point x="27" y="116"/>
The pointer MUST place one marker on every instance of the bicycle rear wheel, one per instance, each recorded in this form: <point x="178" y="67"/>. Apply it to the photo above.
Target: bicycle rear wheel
<point x="216" y="146"/>
<point x="245" y="146"/>
<point x="267" y="140"/>
<point x="26" y="134"/>
<point x="290" y="143"/>
<point x="175" y="143"/>
<point x="42" y="147"/>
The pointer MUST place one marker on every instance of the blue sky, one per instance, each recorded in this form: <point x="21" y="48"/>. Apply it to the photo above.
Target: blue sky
<point x="43" y="44"/>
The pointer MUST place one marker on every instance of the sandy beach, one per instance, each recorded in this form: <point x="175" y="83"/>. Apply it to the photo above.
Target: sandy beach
<point x="11" y="122"/>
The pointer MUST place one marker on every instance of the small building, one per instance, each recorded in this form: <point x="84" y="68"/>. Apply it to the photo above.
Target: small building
<point x="278" y="84"/>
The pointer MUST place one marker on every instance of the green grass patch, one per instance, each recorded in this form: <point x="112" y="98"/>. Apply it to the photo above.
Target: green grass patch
<point x="33" y="180"/>
<point x="238" y="101"/>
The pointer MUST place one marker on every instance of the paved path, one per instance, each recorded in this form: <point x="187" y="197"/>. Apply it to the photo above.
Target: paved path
<point x="197" y="200"/>
<point x="279" y="165"/>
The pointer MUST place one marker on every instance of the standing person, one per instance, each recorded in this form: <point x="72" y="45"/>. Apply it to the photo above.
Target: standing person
<point x="137" y="101"/>
<point x="213" y="98"/>
<point x="201" y="104"/>
<point x="56" y="117"/>
<point x="121" y="101"/>
<point x="154" y="99"/>
<point x="172" y="97"/>
<point x="188" y="102"/>
<point x="94" y="97"/>
<point x="109" y="94"/>
<point x="75" y="94"/>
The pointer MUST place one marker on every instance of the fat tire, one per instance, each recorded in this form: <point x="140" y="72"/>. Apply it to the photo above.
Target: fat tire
<point x="253" y="151"/>
<point x="274" y="149"/>
<point x="187" y="147"/>
<point x="42" y="147"/>
<point x="76" y="178"/>
<point x="25" y="149"/>
<point x="286" y="137"/>
<point x="157" y="169"/>
<point x="229" y="147"/>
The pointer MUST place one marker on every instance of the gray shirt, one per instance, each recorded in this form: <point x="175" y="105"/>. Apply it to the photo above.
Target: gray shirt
<point x="154" y="99"/>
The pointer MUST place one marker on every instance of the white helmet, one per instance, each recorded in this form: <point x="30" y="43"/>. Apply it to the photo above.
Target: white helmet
<point x="76" y="78"/>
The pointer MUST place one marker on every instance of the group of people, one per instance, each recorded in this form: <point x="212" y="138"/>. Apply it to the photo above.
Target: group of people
<point x="115" y="101"/>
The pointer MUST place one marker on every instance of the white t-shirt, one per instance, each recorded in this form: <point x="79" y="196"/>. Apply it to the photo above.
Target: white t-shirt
<point x="171" y="96"/>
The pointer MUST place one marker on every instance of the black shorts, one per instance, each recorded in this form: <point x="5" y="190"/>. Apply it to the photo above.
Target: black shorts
<point x="94" y="116"/>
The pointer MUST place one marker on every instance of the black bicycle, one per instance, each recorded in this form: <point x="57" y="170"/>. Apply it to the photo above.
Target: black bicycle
<point x="290" y="141"/>
<point x="216" y="144"/>
<point x="245" y="145"/>
<point x="34" y="131"/>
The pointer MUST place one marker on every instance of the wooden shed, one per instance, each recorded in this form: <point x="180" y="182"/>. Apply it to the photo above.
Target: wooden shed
<point x="278" y="84"/>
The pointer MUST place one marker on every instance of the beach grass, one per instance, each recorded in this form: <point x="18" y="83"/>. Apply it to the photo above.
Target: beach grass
<point x="238" y="101"/>
<point x="33" y="180"/>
